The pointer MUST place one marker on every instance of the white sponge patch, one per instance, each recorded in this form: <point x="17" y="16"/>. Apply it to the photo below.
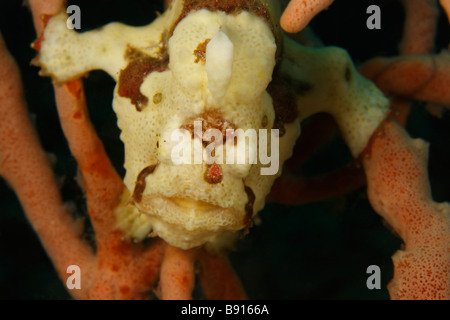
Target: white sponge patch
<point x="219" y="64"/>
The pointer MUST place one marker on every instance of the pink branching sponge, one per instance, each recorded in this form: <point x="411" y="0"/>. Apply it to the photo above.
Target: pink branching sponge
<point x="399" y="191"/>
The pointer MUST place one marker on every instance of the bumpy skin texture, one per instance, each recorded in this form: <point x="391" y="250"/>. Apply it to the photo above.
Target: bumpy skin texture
<point x="334" y="86"/>
<point x="201" y="209"/>
<point x="227" y="84"/>
<point x="399" y="190"/>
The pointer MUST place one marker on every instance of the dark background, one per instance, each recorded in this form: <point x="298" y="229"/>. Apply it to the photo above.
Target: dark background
<point x="314" y="251"/>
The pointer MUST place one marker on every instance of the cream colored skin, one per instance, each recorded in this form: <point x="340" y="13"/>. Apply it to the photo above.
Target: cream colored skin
<point x="179" y="205"/>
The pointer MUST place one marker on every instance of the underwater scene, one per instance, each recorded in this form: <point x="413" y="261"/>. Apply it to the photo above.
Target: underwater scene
<point x="351" y="100"/>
